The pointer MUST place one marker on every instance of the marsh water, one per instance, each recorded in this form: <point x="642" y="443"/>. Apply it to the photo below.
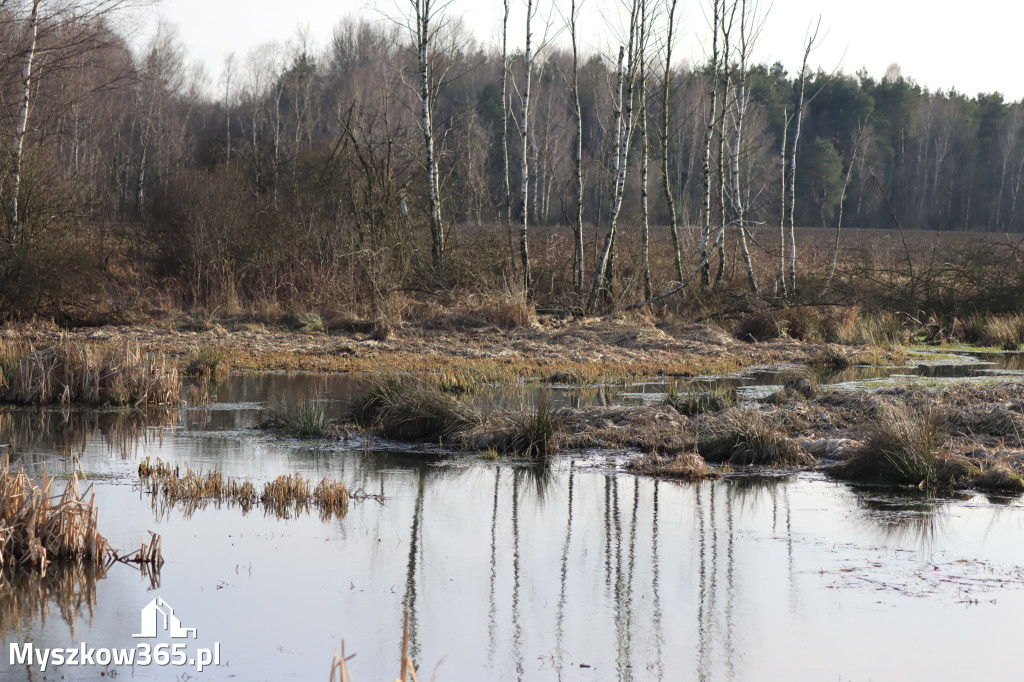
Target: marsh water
<point x="578" y="571"/>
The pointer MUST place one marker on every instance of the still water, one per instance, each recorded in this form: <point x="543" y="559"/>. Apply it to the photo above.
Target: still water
<point x="576" y="572"/>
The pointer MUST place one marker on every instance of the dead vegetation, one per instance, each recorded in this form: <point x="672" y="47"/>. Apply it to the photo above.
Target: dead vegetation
<point x="743" y="437"/>
<point x="409" y="407"/>
<point x="284" y="497"/>
<point x="73" y="372"/>
<point x="686" y="465"/>
<point x="39" y="527"/>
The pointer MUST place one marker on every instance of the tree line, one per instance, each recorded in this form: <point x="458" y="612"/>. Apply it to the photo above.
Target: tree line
<point x="407" y="155"/>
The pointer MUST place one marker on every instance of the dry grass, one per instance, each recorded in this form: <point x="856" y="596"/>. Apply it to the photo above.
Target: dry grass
<point x="38" y="527"/>
<point x="999" y="476"/>
<point x="302" y="419"/>
<point x="900" y="448"/>
<point x="408" y="407"/>
<point x="686" y="465"/>
<point x="208" y="360"/>
<point x="744" y="437"/>
<point x="284" y="496"/>
<point x="74" y="372"/>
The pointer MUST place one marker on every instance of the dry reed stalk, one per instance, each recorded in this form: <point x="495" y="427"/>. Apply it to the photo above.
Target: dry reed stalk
<point x="40" y="527"/>
<point x="70" y="371"/>
<point x="282" y="496"/>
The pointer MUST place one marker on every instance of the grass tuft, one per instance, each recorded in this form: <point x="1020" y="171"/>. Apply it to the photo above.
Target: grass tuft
<point x="744" y="437"/>
<point x="901" y="448"/>
<point x="999" y="476"/>
<point x="302" y="419"/>
<point x="696" y="401"/>
<point x="407" y="407"/>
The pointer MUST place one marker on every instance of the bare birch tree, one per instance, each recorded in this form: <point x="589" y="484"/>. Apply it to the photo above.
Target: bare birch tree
<point x="748" y="33"/>
<point x="709" y="133"/>
<point x="524" y="248"/>
<point x="622" y="124"/>
<point x="799" y="113"/>
<point x="504" y="131"/>
<point x="666" y="123"/>
<point x="577" y="150"/>
<point x="426" y="14"/>
<point x="21" y="128"/>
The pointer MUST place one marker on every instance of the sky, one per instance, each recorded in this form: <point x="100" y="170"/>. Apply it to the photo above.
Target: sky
<point x="941" y="44"/>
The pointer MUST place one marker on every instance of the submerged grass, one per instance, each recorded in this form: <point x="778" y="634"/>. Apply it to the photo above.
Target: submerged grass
<point x="696" y="401"/>
<point x="284" y="496"/>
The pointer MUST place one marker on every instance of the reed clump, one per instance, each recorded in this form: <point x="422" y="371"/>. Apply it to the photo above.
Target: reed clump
<point x="208" y="360"/>
<point x="743" y="438"/>
<point x="74" y="372"/>
<point x="38" y="527"/>
<point x="303" y="418"/>
<point x="408" y="407"/>
<point x="284" y="496"/>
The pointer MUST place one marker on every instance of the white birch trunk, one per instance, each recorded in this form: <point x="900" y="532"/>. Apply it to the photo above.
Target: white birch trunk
<point x="13" y="221"/>
<point x="524" y="247"/>
<point x="665" y="122"/>
<point x="423" y="17"/>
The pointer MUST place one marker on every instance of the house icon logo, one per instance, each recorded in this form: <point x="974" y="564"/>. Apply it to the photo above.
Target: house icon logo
<point x="153" y="623"/>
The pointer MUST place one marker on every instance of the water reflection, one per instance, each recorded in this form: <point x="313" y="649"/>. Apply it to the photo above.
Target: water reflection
<point x="66" y="432"/>
<point x="27" y="597"/>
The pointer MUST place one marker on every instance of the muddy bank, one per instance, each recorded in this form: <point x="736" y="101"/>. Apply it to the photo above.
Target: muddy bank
<point x="566" y="351"/>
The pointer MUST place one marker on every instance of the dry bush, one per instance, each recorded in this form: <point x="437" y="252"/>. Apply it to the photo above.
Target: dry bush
<point x="761" y="326"/>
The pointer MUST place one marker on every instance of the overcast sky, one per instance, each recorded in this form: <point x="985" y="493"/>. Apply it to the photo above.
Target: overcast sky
<point x="973" y="47"/>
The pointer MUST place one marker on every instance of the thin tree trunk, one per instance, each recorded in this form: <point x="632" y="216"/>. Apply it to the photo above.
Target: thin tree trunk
<point x="792" y="161"/>
<point x="645" y="256"/>
<point x="839" y="221"/>
<point x="621" y="149"/>
<point x="709" y="133"/>
<point x="665" y="122"/>
<point x="423" y="16"/>
<point x="782" y="203"/>
<point x="738" y="203"/>
<point x="13" y="219"/>
<point x="578" y="114"/>
<point x="524" y="248"/>
<point x="504" y="134"/>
